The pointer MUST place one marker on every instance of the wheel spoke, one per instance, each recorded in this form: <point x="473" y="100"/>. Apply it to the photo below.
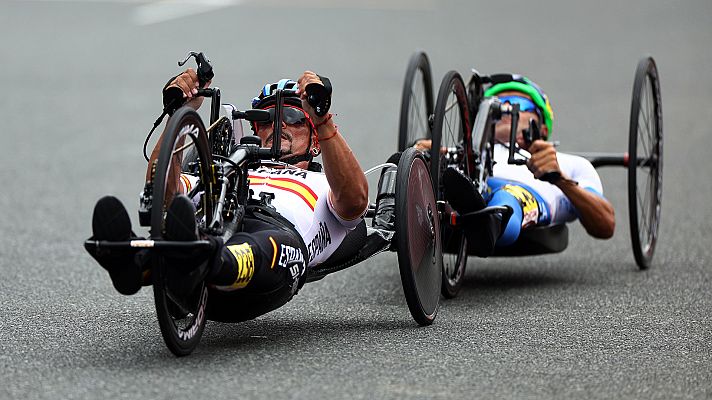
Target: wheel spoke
<point x="652" y="135"/>
<point x="643" y="106"/>
<point x="416" y="110"/>
<point x="644" y="207"/>
<point x="651" y="123"/>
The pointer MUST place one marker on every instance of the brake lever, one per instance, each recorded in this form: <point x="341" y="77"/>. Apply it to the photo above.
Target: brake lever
<point x="173" y="96"/>
<point x="204" y="71"/>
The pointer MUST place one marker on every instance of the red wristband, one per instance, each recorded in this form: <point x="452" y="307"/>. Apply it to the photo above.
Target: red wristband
<point x="327" y="119"/>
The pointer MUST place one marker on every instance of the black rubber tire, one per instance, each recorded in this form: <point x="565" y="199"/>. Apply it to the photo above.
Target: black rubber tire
<point x="181" y="331"/>
<point x="416" y="105"/>
<point x="645" y="152"/>
<point x="418" y="237"/>
<point x="451" y="129"/>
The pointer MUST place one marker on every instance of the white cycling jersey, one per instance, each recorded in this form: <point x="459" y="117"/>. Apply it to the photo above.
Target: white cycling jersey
<point x="302" y="197"/>
<point x="560" y="209"/>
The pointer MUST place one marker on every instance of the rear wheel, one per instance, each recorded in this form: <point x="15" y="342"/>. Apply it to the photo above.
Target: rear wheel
<point x="418" y="237"/>
<point x="645" y="163"/>
<point x="416" y="102"/>
<point x="184" y="156"/>
<point x="451" y="148"/>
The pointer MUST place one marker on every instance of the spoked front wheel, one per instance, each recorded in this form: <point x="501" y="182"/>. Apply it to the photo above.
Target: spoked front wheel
<point x="184" y="163"/>
<point x="451" y="148"/>
<point x="645" y="163"/>
<point x="416" y="102"/>
<point x="418" y="237"/>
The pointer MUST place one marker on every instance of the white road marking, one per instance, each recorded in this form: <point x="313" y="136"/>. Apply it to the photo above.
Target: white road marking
<point x="149" y="12"/>
<point x="161" y="11"/>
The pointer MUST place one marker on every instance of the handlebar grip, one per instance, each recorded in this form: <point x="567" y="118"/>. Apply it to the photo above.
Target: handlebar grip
<point x="172" y="99"/>
<point x="550" y="177"/>
<point x="319" y="96"/>
<point x="207" y="92"/>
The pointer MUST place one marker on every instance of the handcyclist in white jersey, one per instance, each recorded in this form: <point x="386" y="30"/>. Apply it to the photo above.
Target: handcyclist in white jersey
<point x="302" y="215"/>
<point x="577" y="194"/>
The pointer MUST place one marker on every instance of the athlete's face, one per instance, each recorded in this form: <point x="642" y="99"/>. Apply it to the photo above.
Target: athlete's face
<point x="503" y="128"/>
<point x="295" y="137"/>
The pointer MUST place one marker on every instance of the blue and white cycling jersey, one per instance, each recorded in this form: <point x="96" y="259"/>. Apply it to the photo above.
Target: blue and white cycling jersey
<point x="554" y="206"/>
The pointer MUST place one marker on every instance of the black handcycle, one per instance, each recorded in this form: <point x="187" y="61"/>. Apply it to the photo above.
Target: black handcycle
<point x="219" y="165"/>
<point x="460" y="125"/>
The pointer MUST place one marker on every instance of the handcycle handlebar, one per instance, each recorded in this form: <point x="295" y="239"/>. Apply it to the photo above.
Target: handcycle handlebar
<point x="530" y="135"/>
<point x="514" y="111"/>
<point x="249" y="153"/>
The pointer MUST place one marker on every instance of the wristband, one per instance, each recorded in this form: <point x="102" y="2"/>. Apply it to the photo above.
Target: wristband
<point x="327" y="119"/>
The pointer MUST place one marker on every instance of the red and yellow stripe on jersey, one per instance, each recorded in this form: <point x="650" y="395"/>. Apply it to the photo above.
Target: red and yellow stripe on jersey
<point x="300" y="189"/>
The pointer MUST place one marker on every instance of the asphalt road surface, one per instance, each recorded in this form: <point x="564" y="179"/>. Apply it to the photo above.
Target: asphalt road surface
<point x="81" y="81"/>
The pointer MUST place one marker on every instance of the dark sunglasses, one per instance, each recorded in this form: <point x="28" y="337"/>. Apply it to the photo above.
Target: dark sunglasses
<point x="290" y="115"/>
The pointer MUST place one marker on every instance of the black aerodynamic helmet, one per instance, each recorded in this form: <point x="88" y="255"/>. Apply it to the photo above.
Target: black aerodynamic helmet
<point x="266" y="96"/>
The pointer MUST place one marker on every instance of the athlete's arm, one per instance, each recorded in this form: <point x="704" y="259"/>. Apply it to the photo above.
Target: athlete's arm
<point x="595" y="213"/>
<point x="188" y="83"/>
<point x="349" y="188"/>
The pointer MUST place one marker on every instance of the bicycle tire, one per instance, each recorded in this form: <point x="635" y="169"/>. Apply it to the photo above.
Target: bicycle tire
<point x="416" y="104"/>
<point x="451" y="129"/>
<point x="185" y="143"/>
<point x="418" y="237"/>
<point x="645" y="152"/>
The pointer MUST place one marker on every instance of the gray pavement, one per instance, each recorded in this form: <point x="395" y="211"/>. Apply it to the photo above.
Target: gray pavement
<point x="81" y="83"/>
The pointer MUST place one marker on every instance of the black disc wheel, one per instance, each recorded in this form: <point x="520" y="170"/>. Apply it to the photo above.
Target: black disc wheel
<point x="451" y="148"/>
<point x="645" y="162"/>
<point x="416" y="102"/>
<point x="184" y="157"/>
<point x="418" y="237"/>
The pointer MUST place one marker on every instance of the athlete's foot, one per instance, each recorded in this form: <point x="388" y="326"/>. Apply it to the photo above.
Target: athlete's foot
<point x="483" y="232"/>
<point x="185" y="270"/>
<point x="111" y="222"/>
<point x="482" y="236"/>
<point x="461" y="193"/>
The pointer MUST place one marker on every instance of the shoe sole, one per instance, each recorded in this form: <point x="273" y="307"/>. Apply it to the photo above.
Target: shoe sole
<point x="111" y="222"/>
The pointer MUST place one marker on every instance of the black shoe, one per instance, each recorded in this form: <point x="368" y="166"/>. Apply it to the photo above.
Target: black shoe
<point x="461" y="193"/>
<point x="111" y="222"/>
<point x="186" y="270"/>
<point x="482" y="235"/>
<point x="180" y="220"/>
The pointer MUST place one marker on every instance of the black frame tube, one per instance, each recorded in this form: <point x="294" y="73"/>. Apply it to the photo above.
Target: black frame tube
<point x="514" y="111"/>
<point x="215" y="105"/>
<point x="277" y="130"/>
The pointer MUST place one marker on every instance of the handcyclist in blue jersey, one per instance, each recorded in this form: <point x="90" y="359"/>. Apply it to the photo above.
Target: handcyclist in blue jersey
<point x="577" y="194"/>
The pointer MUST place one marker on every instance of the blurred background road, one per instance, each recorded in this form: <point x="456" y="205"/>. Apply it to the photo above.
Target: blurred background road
<point x="81" y="85"/>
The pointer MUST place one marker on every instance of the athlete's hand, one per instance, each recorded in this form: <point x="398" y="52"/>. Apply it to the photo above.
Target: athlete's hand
<point x="188" y="83"/>
<point x="309" y="77"/>
<point x="543" y="158"/>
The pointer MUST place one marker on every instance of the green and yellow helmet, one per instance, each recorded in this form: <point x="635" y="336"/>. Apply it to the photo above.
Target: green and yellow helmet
<point x="518" y="83"/>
